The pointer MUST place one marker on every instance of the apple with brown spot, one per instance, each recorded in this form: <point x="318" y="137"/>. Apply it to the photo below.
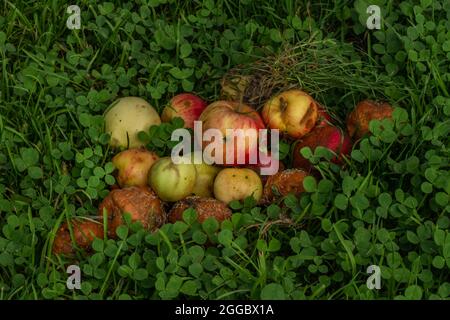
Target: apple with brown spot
<point x="293" y="112"/>
<point x="237" y="184"/>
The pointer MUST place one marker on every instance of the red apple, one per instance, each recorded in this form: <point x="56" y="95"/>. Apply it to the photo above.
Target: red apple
<point x="186" y="106"/>
<point x="328" y="136"/>
<point x="223" y="115"/>
<point x="324" y="117"/>
<point x="293" y="112"/>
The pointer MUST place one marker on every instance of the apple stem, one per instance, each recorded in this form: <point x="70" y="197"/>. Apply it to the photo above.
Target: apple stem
<point x="239" y="106"/>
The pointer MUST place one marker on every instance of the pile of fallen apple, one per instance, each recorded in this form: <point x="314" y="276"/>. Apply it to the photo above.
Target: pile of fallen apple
<point x="154" y="190"/>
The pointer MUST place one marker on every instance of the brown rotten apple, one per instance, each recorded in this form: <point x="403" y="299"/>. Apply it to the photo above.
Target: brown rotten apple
<point x="330" y="137"/>
<point x="233" y="87"/>
<point x="187" y="106"/>
<point x="205" y="208"/>
<point x="358" y="120"/>
<point x="283" y="183"/>
<point x="293" y="112"/>
<point x="84" y="233"/>
<point x="223" y="115"/>
<point x="133" y="166"/>
<point x="140" y="202"/>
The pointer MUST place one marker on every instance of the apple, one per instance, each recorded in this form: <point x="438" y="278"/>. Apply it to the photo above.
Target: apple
<point x="365" y="111"/>
<point x="84" y="233"/>
<point x="141" y="203"/>
<point x="126" y="118"/>
<point x="172" y="182"/>
<point x="293" y="112"/>
<point x="233" y="87"/>
<point x="328" y="136"/>
<point x="237" y="184"/>
<point x="133" y="166"/>
<point x="186" y="106"/>
<point x="324" y="118"/>
<point x="205" y="208"/>
<point x="204" y="180"/>
<point x="281" y="184"/>
<point x="224" y="115"/>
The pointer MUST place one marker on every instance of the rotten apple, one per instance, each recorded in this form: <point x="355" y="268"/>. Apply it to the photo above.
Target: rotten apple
<point x="281" y="184"/>
<point x="205" y="208"/>
<point x="141" y="203"/>
<point x="365" y="111"/>
<point x="84" y="233"/>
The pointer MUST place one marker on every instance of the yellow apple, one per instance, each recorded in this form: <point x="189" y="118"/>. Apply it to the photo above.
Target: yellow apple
<point x="293" y="112"/>
<point x="126" y="118"/>
<point x="237" y="184"/>
<point x="204" y="181"/>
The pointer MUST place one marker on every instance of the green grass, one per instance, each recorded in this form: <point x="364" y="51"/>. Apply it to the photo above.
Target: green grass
<point x="389" y="206"/>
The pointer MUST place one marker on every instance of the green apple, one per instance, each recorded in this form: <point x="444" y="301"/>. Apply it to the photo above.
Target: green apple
<point x="172" y="182"/>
